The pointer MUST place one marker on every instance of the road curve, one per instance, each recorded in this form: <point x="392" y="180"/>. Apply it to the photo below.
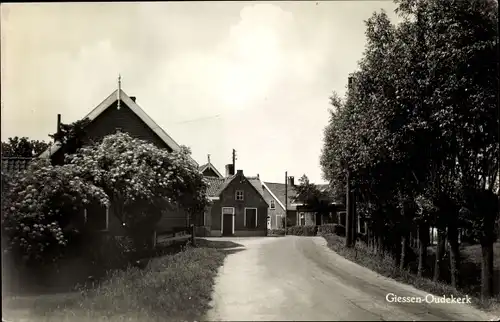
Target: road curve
<point x="299" y="279"/>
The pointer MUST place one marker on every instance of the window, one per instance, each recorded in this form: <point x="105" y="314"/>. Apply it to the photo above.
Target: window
<point x="302" y="219"/>
<point x="250" y="217"/>
<point x="97" y="217"/>
<point x="272" y="205"/>
<point x="239" y="195"/>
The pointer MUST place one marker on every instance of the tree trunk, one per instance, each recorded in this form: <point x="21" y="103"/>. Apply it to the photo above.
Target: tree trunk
<point x="396" y="247"/>
<point x="454" y="255"/>
<point x="380" y="245"/>
<point x="354" y="222"/>
<point x="440" y="250"/>
<point x="348" y="219"/>
<point x="369" y="238"/>
<point x="487" y="270"/>
<point x="404" y="247"/>
<point x="423" y="240"/>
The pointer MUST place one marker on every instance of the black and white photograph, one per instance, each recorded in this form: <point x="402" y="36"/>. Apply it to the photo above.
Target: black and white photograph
<point x="250" y="161"/>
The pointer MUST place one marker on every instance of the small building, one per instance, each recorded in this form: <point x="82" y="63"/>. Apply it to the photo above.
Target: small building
<point x="238" y="206"/>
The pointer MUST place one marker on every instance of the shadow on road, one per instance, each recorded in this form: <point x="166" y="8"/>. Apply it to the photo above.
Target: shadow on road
<point x="218" y="244"/>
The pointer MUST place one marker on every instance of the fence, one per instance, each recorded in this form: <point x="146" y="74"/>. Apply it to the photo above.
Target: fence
<point x="178" y="234"/>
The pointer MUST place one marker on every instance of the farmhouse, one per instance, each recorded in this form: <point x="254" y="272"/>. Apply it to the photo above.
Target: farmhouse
<point x="120" y="112"/>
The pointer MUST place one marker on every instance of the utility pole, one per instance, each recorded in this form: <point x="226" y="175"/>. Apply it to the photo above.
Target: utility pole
<point x="349" y="220"/>
<point x="118" y="93"/>
<point x="286" y="199"/>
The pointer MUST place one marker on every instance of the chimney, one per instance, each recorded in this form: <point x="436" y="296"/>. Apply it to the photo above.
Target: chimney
<point x="258" y="176"/>
<point x="133" y="98"/>
<point x="291" y="181"/>
<point x="240" y="172"/>
<point x="229" y="170"/>
<point x="58" y="124"/>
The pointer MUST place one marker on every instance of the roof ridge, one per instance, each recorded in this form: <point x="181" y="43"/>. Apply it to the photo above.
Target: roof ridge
<point x="136" y="109"/>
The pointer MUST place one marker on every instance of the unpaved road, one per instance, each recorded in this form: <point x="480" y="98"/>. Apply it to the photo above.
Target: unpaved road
<point x="299" y="278"/>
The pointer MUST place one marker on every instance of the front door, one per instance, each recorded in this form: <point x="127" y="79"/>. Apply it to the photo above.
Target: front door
<point x="227" y="225"/>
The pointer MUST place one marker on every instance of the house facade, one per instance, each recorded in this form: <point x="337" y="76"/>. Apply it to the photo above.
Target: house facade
<point x="108" y="118"/>
<point x="333" y="213"/>
<point x="280" y="196"/>
<point x="298" y="212"/>
<point x="238" y="206"/>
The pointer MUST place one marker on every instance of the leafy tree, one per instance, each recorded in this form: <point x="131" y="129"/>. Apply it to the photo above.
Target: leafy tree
<point x="312" y="196"/>
<point x="40" y="206"/>
<point x="141" y="180"/>
<point x="23" y="147"/>
<point x="419" y="136"/>
<point x="462" y="72"/>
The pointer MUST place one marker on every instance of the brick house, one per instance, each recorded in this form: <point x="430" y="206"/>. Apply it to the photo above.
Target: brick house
<point x="108" y="118"/>
<point x="238" y="206"/>
<point x="274" y="193"/>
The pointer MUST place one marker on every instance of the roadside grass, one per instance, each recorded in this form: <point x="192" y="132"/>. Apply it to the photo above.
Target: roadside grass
<point x="384" y="265"/>
<point x="173" y="287"/>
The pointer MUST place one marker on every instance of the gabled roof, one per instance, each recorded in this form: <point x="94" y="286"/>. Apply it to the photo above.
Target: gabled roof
<point x="257" y="184"/>
<point x="14" y="164"/>
<point x="277" y="190"/>
<point x="109" y="101"/>
<point x="210" y="166"/>
<point x="218" y="185"/>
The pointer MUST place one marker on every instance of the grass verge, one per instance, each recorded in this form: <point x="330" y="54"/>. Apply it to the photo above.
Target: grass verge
<point x="363" y="256"/>
<point x="174" y="287"/>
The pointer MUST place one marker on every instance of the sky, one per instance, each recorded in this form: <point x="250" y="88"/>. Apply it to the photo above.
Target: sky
<point x="216" y="76"/>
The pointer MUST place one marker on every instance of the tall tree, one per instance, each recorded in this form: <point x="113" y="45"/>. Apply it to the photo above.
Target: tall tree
<point x="422" y="130"/>
<point x="312" y="196"/>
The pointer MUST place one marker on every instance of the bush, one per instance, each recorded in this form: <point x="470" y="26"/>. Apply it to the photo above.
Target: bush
<point x="289" y="222"/>
<point x="276" y="232"/>
<point x="43" y="205"/>
<point x="302" y="230"/>
<point x="334" y="229"/>
<point x="142" y="179"/>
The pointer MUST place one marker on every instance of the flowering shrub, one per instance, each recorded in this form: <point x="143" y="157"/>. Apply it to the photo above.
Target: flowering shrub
<point x="141" y="179"/>
<point x="39" y="204"/>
